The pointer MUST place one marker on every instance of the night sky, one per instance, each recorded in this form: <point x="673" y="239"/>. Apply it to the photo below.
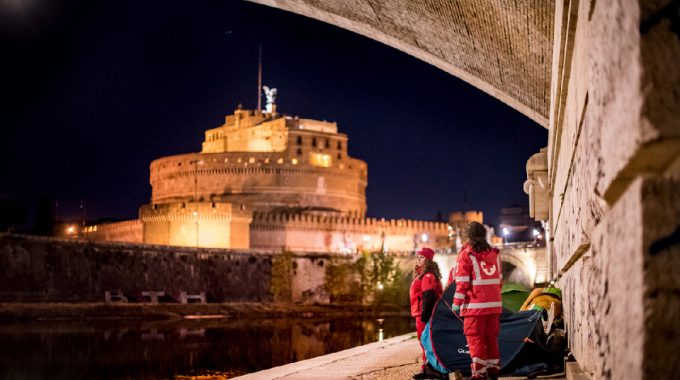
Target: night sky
<point x="93" y="91"/>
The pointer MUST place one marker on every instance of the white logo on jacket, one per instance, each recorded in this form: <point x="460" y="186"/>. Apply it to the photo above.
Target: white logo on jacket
<point x="490" y="270"/>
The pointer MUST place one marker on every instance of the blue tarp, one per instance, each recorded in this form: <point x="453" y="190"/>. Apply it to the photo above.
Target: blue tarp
<point x="446" y="347"/>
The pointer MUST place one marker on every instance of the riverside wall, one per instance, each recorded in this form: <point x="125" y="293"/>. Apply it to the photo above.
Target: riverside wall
<point x="37" y="269"/>
<point x="60" y="270"/>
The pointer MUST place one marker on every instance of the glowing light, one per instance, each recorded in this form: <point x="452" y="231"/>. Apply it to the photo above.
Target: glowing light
<point x="366" y="238"/>
<point x="294" y="161"/>
<point x="506" y="231"/>
<point x="71" y="229"/>
<point x="381" y="286"/>
<point x="535" y="232"/>
<point x="424" y="238"/>
<point x="320" y="159"/>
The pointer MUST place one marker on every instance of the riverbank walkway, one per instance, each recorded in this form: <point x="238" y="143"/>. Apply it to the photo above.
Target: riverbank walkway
<point x="394" y="358"/>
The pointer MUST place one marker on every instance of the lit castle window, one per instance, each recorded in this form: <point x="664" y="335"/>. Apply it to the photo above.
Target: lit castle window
<point x="319" y="159"/>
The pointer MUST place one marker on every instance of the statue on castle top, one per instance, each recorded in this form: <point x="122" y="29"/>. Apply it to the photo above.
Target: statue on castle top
<point x="270" y="93"/>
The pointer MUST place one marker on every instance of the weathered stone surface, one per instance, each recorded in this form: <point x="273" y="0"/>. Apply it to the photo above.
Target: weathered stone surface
<point x="614" y="137"/>
<point x="309" y="276"/>
<point x="621" y="302"/>
<point x="503" y="48"/>
<point x="574" y="146"/>
<point x="661" y="249"/>
<point x="634" y="80"/>
<point x="578" y="209"/>
<point x="54" y="270"/>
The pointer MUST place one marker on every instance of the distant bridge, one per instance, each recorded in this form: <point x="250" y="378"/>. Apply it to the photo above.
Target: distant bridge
<point x="523" y="263"/>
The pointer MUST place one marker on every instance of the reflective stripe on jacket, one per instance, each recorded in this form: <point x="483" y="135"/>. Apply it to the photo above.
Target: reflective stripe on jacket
<point x="478" y="282"/>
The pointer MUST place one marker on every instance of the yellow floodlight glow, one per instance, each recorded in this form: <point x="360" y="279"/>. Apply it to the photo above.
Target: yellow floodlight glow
<point x="320" y="159"/>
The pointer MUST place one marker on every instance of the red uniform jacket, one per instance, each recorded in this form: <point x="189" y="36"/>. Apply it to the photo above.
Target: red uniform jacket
<point x="425" y="290"/>
<point x="478" y="282"/>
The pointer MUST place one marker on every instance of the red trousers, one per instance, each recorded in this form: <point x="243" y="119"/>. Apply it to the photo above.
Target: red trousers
<point x="420" y="326"/>
<point x="481" y="332"/>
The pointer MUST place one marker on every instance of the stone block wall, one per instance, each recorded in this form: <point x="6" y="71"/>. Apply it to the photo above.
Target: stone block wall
<point x="500" y="47"/>
<point x="58" y="270"/>
<point x="261" y="180"/>
<point x="613" y="161"/>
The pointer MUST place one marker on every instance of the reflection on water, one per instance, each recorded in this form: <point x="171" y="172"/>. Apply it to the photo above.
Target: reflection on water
<point x="162" y="350"/>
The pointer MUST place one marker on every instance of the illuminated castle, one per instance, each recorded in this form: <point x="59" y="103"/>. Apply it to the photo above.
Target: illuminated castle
<point x="266" y="181"/>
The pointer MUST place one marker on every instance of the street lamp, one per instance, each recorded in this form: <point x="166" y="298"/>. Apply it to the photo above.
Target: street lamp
<point x="537" y="235"/>
<point x="196" y="223"/>
<point x="72" y="231"/>
<point x="506" y="232"/>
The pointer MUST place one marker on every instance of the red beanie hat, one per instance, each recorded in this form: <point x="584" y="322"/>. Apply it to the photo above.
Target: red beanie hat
<point x="428" y="253"/>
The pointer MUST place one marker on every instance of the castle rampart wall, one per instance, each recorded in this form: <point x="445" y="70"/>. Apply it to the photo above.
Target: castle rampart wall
<point x="130" y="231"/>
<point x="339" y="234"/>
<point x="262" y="180"/>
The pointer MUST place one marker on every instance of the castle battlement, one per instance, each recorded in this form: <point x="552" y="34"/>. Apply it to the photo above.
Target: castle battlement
<point x="265" y="181"/>
<point x="315" y="221"/>
<point x="318" y="232"/>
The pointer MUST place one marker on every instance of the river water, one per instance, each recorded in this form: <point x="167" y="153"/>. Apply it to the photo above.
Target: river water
<point x="209" y="348"/>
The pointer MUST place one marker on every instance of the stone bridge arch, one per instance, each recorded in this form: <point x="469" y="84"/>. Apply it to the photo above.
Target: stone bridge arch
<point x="524" y="265"/>
<point x="603" y="76"/>
<point x="502" y="48"/>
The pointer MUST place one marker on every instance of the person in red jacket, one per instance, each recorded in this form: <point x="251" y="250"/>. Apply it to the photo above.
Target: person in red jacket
<point x="426" y="289"/>
<point x="478" y="299"/>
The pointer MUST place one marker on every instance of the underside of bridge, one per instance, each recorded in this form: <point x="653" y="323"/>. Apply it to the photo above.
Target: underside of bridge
<point x="603" y="77"/>
<point x="501" y="47"/>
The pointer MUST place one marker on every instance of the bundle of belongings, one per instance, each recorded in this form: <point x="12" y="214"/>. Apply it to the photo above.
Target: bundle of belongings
<point x="530" y="341"/>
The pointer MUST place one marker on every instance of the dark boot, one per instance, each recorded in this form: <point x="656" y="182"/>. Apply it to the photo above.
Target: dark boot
<point x="434" y="374"/>
<point x="421" y="375"/>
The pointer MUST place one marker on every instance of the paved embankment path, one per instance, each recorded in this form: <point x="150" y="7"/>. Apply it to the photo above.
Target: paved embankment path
<point x="349" y="364"/>
<point x="395" y="358"/>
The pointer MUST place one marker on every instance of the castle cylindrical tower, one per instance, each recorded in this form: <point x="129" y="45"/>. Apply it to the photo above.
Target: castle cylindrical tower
<point x="269" y="163"/>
